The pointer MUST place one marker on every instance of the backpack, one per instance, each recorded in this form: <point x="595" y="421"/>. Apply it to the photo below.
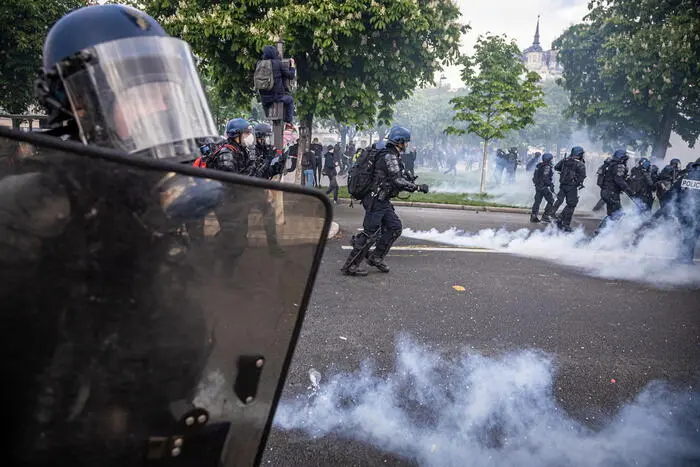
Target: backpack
<point x="361" y="174"/>
<point x="307" y="160"/>
<point x="263" y="78"/>
<point x="600" y="173"/>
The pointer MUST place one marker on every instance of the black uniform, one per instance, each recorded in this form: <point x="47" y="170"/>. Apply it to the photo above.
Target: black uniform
<point x="261" y="168"/>
<point x="572" y="174"/>
<point x="330" y="171"/>
<point x="686" y="194"/>
<point x="683" y="205"/>
<point x="641" y="183"/>
<point x="614" y="182"/>
<point x="232" y="214"/>
<point x="260" y="165"/>
<point x="381" y="222"/>
<point x="544" y="187"/>
<point x="667" y="177"/>
<point x="317" y="149"/>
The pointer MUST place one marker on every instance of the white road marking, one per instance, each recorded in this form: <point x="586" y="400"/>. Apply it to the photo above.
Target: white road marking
<point x="436" y="248"/>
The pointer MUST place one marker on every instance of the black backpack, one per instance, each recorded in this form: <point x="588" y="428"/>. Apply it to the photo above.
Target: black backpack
<point x="361" y="174"/>
<point x="600" y="173"/>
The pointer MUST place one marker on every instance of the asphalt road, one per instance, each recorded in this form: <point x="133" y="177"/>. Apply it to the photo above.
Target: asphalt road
<point x="610" y="338"/>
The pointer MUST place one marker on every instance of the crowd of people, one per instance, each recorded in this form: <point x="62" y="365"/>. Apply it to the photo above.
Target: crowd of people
<point x="676" y="189"/>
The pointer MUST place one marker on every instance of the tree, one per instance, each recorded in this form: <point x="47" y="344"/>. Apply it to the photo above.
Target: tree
<point x="355" y="58"/>
<point x="427" y="113"/>
<point x="552" y="127"/>
<point x="502" y="95"/>
<point x="25" y="24"/>
<point x="632" y="71"/>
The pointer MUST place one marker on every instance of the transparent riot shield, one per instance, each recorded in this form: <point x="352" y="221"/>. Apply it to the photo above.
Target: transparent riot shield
<point x="150" y="309"/>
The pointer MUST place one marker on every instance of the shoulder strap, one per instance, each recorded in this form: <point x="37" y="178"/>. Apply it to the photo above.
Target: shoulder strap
<point x="227" y="146"/>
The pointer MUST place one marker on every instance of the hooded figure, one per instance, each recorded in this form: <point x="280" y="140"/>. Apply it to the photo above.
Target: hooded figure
<point x="281" y="71"/>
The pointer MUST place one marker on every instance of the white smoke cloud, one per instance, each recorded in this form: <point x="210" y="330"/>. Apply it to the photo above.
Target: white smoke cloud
<point x="521" y="193"/>
<point x="616" y="253"/>
<point x="481" y="411"/>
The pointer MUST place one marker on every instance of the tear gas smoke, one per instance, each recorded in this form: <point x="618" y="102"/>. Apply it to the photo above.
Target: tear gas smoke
<point x="474" y="410"/>
<point x="613" y="254"/>
<point x="520" y="193"/>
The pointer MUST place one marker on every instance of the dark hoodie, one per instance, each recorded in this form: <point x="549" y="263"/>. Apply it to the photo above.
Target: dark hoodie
<point x="280" y="71"/>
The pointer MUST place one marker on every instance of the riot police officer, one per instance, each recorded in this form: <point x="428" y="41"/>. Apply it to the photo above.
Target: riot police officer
<point x="682" y="206"/>
<point x="641" y="182"/>
<point x="544" y="187"/>
<point x="381" y="224"/>
<point x="667" y="177"/>
<point x="264" y="153"/>
<point x="572" y="172"/>
<point x="261" y="168"/>
<point x="686" y="192"/>
<point x="100" y="332"/>
<point x="614" y="182"/>
<point x="233" y="156"/>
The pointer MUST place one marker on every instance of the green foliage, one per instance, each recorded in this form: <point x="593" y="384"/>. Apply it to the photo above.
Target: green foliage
<point x="355" y="58"/>
<point x="427" y="113"/>
<point x="502" y="96"/>
<point x="224" y="108"/>
<point x="25" y="24"/>
<point x="632" y="71"/>
<point x="552" y="126"/>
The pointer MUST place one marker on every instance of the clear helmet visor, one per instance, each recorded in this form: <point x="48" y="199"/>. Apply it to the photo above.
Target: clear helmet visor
<point x="141" y="95"/>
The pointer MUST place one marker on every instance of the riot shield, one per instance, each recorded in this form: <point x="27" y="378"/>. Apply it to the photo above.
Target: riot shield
<point x="150" y="309"/>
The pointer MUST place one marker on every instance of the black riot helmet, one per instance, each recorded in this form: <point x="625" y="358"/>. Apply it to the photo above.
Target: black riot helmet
<point x="113" y="73"/>
<point x="577" y="152"/>
<point x="263" y="133"/>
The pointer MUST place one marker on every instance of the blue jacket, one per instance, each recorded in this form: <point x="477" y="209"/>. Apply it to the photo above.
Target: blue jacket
<point x="280" y="71"/>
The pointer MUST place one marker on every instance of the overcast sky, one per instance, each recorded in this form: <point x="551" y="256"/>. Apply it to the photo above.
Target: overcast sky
<point x="517" y="19"/>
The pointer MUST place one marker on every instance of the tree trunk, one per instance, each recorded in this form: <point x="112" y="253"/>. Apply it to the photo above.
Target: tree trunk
<point x="661" y="141"/>
<point x="484" y="162"/>
<point x="343" y="130"/>
<point x="304" y="144"/>
<point x="352" y="132"/>
<point x="381" y="131"/>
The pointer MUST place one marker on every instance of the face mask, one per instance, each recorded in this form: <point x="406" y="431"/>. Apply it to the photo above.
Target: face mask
<point x="248" y="140"/>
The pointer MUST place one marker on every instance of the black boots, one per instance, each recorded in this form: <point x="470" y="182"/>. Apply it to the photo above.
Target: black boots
<point x="354" y="270"/>
<point x="377" y="262"/>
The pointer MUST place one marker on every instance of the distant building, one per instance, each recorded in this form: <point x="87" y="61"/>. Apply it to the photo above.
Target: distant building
<point x="542" y="62"/>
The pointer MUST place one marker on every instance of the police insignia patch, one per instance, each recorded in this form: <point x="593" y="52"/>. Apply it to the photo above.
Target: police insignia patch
<point x="690" y="184"/>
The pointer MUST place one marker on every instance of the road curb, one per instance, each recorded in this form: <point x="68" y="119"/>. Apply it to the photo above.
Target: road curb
<point x="333" y="231"/>
<point x="456" y="207"/>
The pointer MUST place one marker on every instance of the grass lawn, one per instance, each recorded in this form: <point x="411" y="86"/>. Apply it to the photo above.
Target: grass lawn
<point x="462" y="199"/>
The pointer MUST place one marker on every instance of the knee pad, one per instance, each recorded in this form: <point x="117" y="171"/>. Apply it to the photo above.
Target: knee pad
<point x="361" y="239"/>
<point x="395" y="234"/>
